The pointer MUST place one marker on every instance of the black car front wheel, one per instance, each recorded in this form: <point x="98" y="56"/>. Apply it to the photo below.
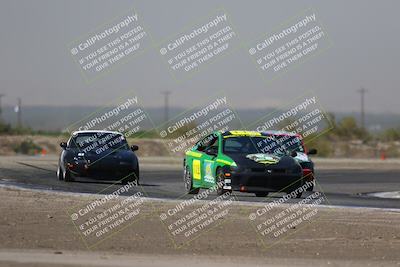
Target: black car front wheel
<point x="67" y="176"/>
<point x="133" y="177"/>
<point x="261" y="194"/>
<point x="60" y="174"/>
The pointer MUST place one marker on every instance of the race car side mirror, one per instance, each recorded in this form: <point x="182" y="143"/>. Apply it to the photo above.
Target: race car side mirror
<point x="134" y="147"/>
<point x="293" y="154"/>
<point x="63" y="145"/>
<point x="312" y="151"/>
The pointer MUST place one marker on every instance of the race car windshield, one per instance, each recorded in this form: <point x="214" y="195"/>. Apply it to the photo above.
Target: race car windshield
<point x="252" y="145"/>
<point x="94" y="141"/>
<point x="290" y="143"/>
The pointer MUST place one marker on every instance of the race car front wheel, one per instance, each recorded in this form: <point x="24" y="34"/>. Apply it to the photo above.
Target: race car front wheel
<point x="298" y="194"/>
<point x="220" y="183"/>
<point x="188" y="182"/>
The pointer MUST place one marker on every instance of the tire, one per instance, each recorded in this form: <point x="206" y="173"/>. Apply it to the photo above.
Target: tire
<point x="298" y="195"/>
<point x="60" y="174"/>
<point x="220" y="177"/>
<point x="137" y="174"/>
<point x="261" y="194"/>
<point x="131" y="178"/>
<point x="67" y="177"/>
<point x="188" y="182"/>
<point x="311" y="188"/>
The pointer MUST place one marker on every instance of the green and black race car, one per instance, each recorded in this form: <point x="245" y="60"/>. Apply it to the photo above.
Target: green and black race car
<point x="246" y="161"/>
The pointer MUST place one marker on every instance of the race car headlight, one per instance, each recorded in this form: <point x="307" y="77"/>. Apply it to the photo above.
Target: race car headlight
<point x="235" y="169"/>
<point x="297" y="169"/>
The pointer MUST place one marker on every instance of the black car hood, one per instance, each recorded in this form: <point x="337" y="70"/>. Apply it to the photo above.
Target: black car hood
<point x="120" y="155"/>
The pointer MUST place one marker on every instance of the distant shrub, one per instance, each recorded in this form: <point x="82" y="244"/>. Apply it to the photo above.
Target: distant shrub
<point x="5" y="128"/>
<point x="323" y="145"/>
<point x="27" y="147"/>
<point x="391" y="134"/>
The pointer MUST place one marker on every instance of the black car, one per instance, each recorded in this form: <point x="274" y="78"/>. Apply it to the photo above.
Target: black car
<point x="100" y="155"/>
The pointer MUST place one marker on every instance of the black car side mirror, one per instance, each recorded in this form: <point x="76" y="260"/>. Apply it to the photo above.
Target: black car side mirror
<point x="134" y="147"/>
<point x="212" y="151"/>
<point x="293" y="154"/>
<point x="63" y="145"/>
<point x="312" y="151"/>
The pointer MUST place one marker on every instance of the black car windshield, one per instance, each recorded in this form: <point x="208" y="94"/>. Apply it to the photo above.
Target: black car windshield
<point x="252" y="145"/>
<point x="290" y="143"/>
<point x="98" y="142"/>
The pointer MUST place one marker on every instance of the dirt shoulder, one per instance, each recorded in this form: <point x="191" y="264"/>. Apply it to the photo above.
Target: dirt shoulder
<point x="37" y="222"/>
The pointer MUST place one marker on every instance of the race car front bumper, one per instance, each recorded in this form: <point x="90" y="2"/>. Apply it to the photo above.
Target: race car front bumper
<point x="263" y="180"/>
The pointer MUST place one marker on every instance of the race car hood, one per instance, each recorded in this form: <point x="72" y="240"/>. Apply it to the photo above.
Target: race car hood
<point x="260" y="159"/>
<point x="263" y="158"/>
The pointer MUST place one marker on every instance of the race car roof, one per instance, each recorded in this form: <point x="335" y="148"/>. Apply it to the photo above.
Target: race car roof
<point x="241" y="133"/>
<point x="256" y="133"/>
<point x="280" y="133"/>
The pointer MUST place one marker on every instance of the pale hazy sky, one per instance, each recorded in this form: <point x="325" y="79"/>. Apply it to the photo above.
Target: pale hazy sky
<point x="36" y="63"/>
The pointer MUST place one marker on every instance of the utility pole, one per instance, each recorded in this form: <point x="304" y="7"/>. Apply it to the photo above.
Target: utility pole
<point x="1" y="109"/>
<point x="362" y="92"/>
<point x="166" y="104"/>
<point x="18" y="110"/>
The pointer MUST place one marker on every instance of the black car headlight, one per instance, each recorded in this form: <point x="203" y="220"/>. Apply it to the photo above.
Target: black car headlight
<point x="125" y="163"/>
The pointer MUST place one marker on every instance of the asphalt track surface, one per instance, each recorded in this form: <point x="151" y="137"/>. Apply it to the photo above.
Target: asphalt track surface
<point x="341" y="187"/>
